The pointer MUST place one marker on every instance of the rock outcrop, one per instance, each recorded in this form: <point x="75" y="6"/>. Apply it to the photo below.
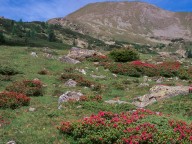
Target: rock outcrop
<point x="69" y="95"/>
<point x="69" y="60"/>
<point x="79" y="53"/>
<point x="160" y="92"/>
<point x="71" y="83"/>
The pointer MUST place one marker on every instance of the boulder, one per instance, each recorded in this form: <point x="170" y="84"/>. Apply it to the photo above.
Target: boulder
<point x="71" y="83"/>
<point x="79" y="53"/>
<point x="34" y="54"/>
<point x="143" y="85"/>
<point x="160" y="92"/>
<point x="69" y="95"/>
<point x="68" y="60"/>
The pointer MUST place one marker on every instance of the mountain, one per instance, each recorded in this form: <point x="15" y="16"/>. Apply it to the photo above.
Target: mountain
<point x="129" y="21"/>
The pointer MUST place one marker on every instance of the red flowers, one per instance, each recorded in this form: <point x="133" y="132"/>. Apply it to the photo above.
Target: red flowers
<point x="140" y="126"/>
<point x="143" y="64"/>
<point x="13" y="100"/>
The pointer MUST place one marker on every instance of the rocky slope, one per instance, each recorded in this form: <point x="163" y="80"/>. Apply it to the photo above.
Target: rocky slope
<point x="128" y="21"/>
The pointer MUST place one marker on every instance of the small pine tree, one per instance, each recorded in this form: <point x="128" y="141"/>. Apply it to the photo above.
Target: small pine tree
<point x="2" y="38"/>
<point x="51" y="36"/>
<point x="189" y="54"/>
<point x="74" y="42"/>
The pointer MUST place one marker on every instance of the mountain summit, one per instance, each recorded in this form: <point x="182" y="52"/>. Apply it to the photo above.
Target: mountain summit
<point x="128" y="21"/>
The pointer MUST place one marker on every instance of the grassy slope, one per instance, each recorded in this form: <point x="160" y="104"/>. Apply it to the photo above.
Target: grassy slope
<point x="41" y="126"/>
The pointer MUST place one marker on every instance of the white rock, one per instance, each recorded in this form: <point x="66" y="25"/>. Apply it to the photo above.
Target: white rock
<point x="11" y="142"/>
<point x="32" y="109"/>
<point x="34" y="54"/>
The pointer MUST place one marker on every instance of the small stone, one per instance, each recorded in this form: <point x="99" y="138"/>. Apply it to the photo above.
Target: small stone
<point x="32" y="109"/>
<point x="34" y="54"/>
<point x="99" y="77"/>
<point x="143" y="85"/>
<point x="79" y="106"/>
<point x="11" y="142"/>
<point x="114" y="75"/>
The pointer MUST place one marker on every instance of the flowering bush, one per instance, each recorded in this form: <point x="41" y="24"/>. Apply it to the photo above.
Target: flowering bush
<point x="13" y="100"/>
<point x="81" y="81"/>
<point x="27" y="87"/>
<point x="139" y="68"/>
<point x="91" y="98"/>
<point x="140" y="126"/>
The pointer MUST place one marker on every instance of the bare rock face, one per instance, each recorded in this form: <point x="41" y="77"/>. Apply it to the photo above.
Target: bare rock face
<point x="160" y="92"/>
<point x="79" y="53"/>
<point x="68" y="60"/>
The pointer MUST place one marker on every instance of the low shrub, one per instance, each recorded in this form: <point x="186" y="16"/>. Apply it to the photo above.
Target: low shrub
<point x="43" y="72"/>
<point x="139" y="68"/>
<point x="13" y="100"/>
<point x="96" y="98"/>
<point x="27" y="87"/>
<point x="124" y="55"/>
<point x="7" y="70"/>
<point x="140" y="126"/>
<point x="97" y="58"/>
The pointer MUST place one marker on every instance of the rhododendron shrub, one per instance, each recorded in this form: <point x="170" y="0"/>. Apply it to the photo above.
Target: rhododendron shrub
<point x="13" y="100"/>
<point x="139" y="68"/>
<point x="140" y="126"/>
<point x="27" y="87"/>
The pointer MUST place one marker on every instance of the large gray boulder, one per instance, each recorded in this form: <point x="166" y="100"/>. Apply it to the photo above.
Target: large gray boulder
<point x="79" y="53"/>
<point x="69" y="95"/>
<point x="71" y="83"/>
<point x="160" y="92"/>
<point x="67" y="59"/>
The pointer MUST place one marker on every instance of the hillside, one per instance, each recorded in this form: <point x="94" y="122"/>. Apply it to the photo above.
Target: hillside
<point x="128" y="21"/>
<point x="43" y="34"/>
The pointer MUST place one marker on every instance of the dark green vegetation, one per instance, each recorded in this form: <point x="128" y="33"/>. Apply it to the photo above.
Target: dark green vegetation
<point x="41" y="34"/>
<point x="124" y="55"/>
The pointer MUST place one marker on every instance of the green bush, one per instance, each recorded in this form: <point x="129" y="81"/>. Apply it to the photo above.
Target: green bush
<point x="7" y="70"/>
<point x="124" y="55"/>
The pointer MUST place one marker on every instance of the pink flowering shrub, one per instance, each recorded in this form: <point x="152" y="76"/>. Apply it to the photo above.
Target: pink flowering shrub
<point x="139" y="68"/>
<point x="27" y="87"/>
<point x="136" y="127"/>
<point x="13" y="100"/>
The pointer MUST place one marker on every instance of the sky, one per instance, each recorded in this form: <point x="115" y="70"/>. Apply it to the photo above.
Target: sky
<point x="42" y="10"/>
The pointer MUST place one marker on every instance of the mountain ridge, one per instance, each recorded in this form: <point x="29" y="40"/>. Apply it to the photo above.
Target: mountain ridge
<point x="128" y="21"/>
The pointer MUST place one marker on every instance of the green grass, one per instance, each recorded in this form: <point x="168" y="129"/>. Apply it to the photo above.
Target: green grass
<point x="40" y="126"/>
